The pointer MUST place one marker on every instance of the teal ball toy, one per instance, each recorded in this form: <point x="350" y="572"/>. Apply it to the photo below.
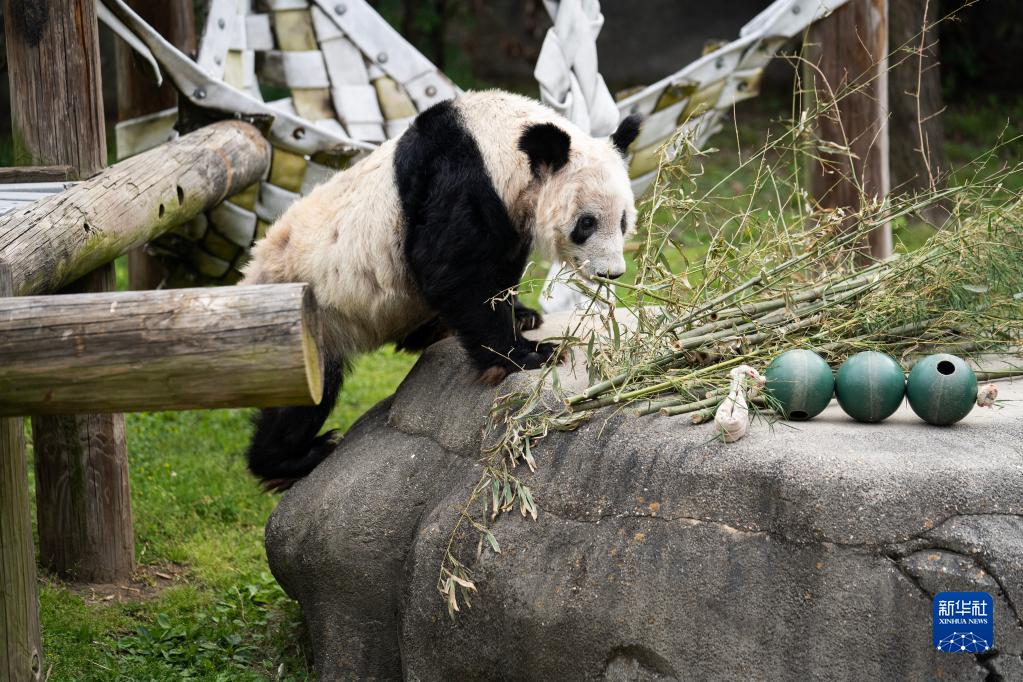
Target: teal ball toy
<point x="870" y="386"/>
<point x="941" y="389"/>
<point x="801" y="382"/>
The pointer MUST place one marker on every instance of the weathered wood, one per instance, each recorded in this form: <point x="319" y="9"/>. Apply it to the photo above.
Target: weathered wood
<point x="83" y="503"/>
<point x="57" y="103"/>
<point x="53" y="62"/>
<point x="21" y="650"/>
<point x="172" y="349"/>
<point x="138" y="95"/>
<point x="918" y="158"/>
<point x="57" y="240"/>
<point x="847" y="68"/>
<point x="20" y="174"/>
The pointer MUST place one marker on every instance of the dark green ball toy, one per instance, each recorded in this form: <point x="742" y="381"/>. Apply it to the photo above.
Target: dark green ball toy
<point x="801" y="382"/>
<point x="942" y="389"/>
<point x="870" y="386"/>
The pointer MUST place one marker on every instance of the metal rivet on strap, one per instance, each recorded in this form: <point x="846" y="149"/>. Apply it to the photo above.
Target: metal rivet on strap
<point x="199" y="93"/>
<point x="219" y="60"/>
<point x="299" y="133"/>
<point x="719" y="63"/>
<point x="430" y="91"/>
<point x="221" y="23"/>
<point x="796" y="9"/>
<point x="340" y="9"/>
<point x="382" y="57"/>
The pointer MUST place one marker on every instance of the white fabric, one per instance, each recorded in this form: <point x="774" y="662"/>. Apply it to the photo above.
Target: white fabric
<point x="732" y="415"/>
<point x="567" y="67"/>
<point x="571" y="84"/>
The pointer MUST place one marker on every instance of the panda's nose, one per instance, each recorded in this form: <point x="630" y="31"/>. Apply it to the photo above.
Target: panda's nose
<point x="610" y="275"/>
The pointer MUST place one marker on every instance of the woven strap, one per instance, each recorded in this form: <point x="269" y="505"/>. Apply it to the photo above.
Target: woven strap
<point x="566" y="68"/>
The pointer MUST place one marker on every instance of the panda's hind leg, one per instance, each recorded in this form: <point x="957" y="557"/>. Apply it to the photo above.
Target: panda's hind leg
<point x="285" y="446"/>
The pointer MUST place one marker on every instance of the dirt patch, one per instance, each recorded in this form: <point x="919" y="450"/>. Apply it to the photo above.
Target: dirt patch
<point x="144" y="585"/>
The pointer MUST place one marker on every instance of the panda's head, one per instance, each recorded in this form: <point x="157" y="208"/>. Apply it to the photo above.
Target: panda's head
<point x="583" y="201"/>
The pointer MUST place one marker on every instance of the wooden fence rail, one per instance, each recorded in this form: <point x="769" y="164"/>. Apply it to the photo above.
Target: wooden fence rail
<point x="54" y="242"/>
<point x="174" y="349"/>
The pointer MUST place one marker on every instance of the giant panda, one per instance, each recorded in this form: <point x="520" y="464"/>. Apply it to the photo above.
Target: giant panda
<point x="430" y="229"/>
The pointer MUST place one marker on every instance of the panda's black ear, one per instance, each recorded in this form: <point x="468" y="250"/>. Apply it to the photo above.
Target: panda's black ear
<point x="547" y="147"/>
<point x="628" y="131"/>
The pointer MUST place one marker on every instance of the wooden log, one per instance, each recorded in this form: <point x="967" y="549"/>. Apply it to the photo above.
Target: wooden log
<point x="59" y="239"/>
<point x="139" y="95"/>
<point x="22" y="174"/>
<point x="53" y="61"/>
<point x="21" y="649"/>
<point x="173" y="349"/>
<point x="847" y="68"/>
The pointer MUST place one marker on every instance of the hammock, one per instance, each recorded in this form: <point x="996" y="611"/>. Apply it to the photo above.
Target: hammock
<point x="346" y="81"/>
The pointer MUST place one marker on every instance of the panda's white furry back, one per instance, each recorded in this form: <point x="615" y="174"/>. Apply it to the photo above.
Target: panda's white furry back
<point x="427" y="230"/>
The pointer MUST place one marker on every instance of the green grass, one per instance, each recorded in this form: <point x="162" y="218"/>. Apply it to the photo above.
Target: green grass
<point x="197" y="513"/>
<point x="199" y="516"/>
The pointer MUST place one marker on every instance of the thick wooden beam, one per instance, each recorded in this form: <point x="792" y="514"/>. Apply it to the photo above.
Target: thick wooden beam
<point x="23" y="174"/>
<point x="138" y="95"/>
<point x="57" y="240"/>
<point x="176" y="349"/>
<point x="53" y="62"/>
<point x="847" y="68"/>
<point x="21" y="651"/>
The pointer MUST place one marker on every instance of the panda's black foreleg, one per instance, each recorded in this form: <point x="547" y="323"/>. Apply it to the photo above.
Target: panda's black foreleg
<point x="463" y="273"/>
<point x="285" y="446"/>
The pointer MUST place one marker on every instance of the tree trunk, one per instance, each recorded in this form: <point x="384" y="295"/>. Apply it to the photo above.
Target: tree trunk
<point x="918" y="157"/>
<point x="849" y="49"/>
<point x="57" y="118"/>
<point x="21" y="650"/>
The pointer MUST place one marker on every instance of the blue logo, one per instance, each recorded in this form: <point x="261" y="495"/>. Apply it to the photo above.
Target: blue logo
<point x="964" y="622"/>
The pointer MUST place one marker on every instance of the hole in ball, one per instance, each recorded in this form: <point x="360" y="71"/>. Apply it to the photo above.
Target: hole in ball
<point x="162" y="210"/>
<point x="798" y="415"/>
<point x="945" y="367"/>
<point x="181" y="194"/>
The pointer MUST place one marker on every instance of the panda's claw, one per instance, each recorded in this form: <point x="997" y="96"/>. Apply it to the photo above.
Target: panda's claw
<point x="527" y="319"/>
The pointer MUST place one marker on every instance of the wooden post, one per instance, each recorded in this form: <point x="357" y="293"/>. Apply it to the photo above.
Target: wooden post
<point x="918" y="157"/>
<point x="20" y="647"/>
<point x="138" y="95"/>
<point x="847" y="55"/>
<point x="175" y="349"/>
<point x="83" y="507"/>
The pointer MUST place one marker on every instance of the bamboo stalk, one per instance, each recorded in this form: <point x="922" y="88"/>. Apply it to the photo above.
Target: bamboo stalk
<point x="711" y="402"/>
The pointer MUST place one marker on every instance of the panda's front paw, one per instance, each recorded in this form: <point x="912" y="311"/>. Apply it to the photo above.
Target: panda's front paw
<point x="531" y="355"/>
<point x="527" y="355"/>
<point x="527" y="319"/>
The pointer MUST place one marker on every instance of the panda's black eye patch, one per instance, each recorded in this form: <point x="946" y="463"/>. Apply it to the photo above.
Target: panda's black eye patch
<point x="624" y="226"/>
<point x="584" y="227"/>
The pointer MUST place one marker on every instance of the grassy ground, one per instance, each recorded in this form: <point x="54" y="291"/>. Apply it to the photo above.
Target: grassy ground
<point x="204" y="605"/>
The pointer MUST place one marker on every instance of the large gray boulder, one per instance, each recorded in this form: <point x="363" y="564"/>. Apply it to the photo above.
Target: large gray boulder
<point x="806" y="551"/>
